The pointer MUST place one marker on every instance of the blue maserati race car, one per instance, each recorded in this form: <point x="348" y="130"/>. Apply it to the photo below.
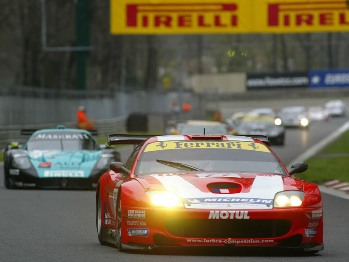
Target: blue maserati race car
<point x="57" y="158"/>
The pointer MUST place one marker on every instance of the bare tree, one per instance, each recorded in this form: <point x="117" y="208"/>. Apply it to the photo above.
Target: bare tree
<point x="305" y="41"/>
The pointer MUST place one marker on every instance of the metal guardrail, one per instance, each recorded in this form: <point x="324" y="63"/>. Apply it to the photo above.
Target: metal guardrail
<point x="24" y="91"/>
<point x="9" y="134"/>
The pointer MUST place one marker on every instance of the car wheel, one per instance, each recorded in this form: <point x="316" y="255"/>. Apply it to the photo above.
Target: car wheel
<point x="99" y="220"/>
<point x="118" y="226"/>
<point x="9" y="184"/>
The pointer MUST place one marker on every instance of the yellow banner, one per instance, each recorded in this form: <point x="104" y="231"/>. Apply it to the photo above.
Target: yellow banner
<point x="233" y="145"/>
<point x="227" y="16"/>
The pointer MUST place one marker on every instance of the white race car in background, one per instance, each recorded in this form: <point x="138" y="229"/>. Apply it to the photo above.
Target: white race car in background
<point x="336" y="108"/>
<point x="294" y="116"/>
<point x="318" y="113"/>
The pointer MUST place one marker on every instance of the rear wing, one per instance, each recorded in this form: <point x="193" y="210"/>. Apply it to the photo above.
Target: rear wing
<point x="93" y="132"/>
<point x="261" y="138"/>
<point x="28" y="132"/>
<point x="125" y="139"/>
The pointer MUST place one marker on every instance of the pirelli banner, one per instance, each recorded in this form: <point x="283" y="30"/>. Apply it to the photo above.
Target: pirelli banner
<point x="228" y="16"/>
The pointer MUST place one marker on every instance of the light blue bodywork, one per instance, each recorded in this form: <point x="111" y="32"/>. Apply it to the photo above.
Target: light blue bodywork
<point x="74" y="164"/>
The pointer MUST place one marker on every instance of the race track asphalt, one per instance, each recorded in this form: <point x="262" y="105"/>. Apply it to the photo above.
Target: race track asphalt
<point x="59" y="225"/>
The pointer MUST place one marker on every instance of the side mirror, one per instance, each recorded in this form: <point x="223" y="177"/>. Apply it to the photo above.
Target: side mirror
<point x="298" y="168"/>
<point x="119" y="167"/>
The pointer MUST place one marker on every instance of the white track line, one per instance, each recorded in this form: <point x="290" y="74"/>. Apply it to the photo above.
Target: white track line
<point x="318" y="147"/>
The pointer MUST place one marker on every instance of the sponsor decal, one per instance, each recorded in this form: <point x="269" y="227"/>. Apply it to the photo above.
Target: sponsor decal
<point x="230" y="200"/>
<point x="310" y="232"/>
<point x="181" y="15"/>
<point x="64" y="173"/>
<point x="138" y="214"/>
<point x="227" y="16"/>
<point x="316" y="13"/>
<point x="228" y="214"/>
<point x="57" y="136"/>
<point x="260" y="196"/>
<point x="226" y="145"/>
<point x="329" y="78"/>
<point x="138" y="232"/>
<point x="316" y="214"/>
<point x="107" y="219"/>
<point x="174" y="16"/>
<point x="237" y="242"/>
<point x="136" y="223"/>
<point x="313" y="224"/>
<point x="284" y="80"/>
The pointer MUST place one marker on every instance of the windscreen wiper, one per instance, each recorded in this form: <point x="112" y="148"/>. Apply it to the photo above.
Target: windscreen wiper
<point x="178" y="165"/>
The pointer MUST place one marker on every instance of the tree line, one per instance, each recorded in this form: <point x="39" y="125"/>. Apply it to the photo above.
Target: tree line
<point x="31" y="56"/>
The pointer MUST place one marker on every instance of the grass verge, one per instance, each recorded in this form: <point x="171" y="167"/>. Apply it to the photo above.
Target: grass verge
<point x="330" y="163"/>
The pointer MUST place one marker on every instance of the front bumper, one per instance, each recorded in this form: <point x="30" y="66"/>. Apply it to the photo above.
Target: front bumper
<point x="29" y="179"/>
<point x="292" y="228"/>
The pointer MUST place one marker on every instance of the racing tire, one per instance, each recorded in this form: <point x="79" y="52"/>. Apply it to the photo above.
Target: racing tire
<point x="8" y="182"/>
<point x="99" y="221"/>
<point x="118" y="226"/>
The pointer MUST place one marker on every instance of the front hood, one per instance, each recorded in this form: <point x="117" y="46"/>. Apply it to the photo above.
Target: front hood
<point x="222" y="190"/>
<point x="73" y="164"/>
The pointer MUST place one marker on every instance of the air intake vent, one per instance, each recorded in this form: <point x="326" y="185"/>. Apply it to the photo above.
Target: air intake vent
<point x="205" y="137"/>
<point x="224" y="188"/>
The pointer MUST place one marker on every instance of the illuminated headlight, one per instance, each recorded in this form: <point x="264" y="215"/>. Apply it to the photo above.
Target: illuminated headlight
<point x="21" y="162"/>
<point x="278" y="121"/>
<point x="288" y="199"/>
<point x="164" y="199"/>
<point x="304" y="122"/>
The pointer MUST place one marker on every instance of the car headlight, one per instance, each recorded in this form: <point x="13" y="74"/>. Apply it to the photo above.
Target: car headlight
<point x="288" y="199"/>
<point x="278" y="121"/>
<point x="304" y="122"/>
<point x="164" y="199"/>
<point x="21" y="161"/>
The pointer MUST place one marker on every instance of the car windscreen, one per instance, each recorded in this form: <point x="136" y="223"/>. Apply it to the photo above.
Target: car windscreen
<point x="207" y="156"/>
<point x="256" y="124"/>
<point x="293" y="110"/>
<point x="61" y="141"/>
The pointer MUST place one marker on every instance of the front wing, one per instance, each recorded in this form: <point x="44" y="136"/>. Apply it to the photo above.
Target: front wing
<point x="290" y="228"/>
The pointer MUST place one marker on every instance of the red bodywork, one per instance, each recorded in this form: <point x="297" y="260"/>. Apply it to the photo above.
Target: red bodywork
<point x="146" y="226"/>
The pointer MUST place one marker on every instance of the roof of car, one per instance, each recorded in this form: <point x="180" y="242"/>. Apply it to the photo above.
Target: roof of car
<point x="60" y="129"/>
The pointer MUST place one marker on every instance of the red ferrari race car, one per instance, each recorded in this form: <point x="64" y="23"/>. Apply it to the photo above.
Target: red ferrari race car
<point x="206" y="190"/>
